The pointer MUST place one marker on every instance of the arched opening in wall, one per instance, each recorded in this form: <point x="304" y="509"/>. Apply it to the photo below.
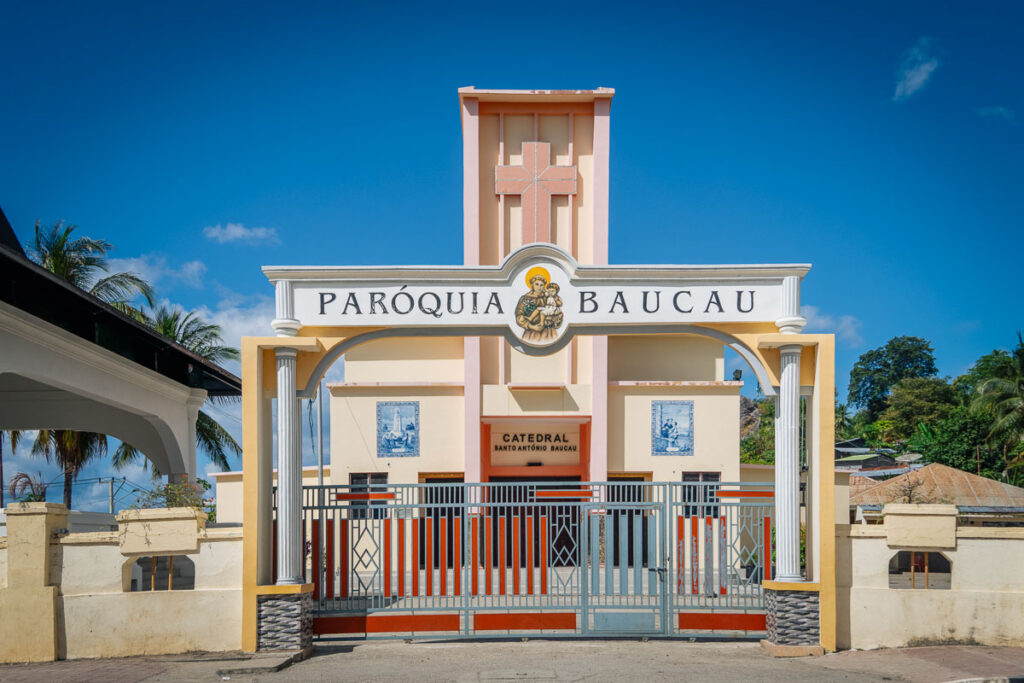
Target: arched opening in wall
<point x="920" y="570"/>
<point x="163" y="573"/>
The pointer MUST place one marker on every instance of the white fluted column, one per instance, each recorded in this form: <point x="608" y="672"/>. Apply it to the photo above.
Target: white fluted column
<point x="791" y="321"/>
<point x="787" y="466"/>
<point x="289" y="472"/>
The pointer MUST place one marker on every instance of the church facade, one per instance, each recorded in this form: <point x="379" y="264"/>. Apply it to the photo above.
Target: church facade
<point x="504" y="424"/>
<point x="639" y="407"/>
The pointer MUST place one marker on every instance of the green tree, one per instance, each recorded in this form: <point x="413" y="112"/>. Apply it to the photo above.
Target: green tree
<point x="82" y="261"/>
<point x="877" y="370"/>
<point x="759" y="446"/>
<point x="996" y="364"/>
<point x="71" y="450"/>
<point x="958" y="440"/>
<point x="1002" y="396"/>
<point x="917" y="400"/>
<point x="844" y="421"/>
<point x="878" y="434"/>
<point x="203" y="339"/>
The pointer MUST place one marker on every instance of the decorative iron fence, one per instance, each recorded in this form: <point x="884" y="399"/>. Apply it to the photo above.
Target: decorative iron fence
<point x="538" y="558"/>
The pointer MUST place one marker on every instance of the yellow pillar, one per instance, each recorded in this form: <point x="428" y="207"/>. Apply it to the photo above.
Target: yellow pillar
<point x="28" y="627"/>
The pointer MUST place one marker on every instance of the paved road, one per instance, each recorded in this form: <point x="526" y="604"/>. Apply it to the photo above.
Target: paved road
<point x="537" y="660"/>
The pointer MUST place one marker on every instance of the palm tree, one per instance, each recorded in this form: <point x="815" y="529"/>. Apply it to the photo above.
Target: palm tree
<point x="1003" y="397"/>
<point x="71" y="450"/>
<point x="14" y="436"/>
<point x="203" y="339"/>
<point x="843" y="419"/>
<point x="82" y="261"/>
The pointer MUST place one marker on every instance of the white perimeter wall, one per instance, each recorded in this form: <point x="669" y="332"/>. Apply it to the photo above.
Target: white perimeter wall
<point x="985" y="604"/>
<point x="98" y="618"/>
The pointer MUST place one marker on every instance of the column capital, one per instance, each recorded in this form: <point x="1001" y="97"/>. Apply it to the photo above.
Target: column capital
<point x="286" y="327"/>
<point x="791" y="324"/>
<point x="285" y="352"/>
<point x="791" y="349"/>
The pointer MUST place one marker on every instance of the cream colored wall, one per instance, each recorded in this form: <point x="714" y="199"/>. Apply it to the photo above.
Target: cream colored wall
<point x="664" y="358"/>
<point x="523" y="369"/>
<point x="228" y="491"/>
<point x="983" y="605"/>
<point x="89" y="613"/>
<point x="570" y="400"/>
<point x="354" y="432"/>
<point x="161" y="622"/>
<point x="491" y="250"/>
<point x="100" y="620"/>
<point x="583" y="137"/>
<point x="716" y="431"/>
<point x="406" y="360"/>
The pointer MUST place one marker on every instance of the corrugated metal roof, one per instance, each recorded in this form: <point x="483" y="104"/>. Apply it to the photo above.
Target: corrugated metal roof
<point x="944" y="485"/>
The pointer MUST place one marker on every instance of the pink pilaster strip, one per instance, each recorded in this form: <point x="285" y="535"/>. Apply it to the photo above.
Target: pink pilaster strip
<point x="470" y="182"/>
<point x="602" y="146"/>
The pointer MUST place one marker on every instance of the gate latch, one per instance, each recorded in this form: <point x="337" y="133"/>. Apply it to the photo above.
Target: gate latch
<point x="660" y="570"/>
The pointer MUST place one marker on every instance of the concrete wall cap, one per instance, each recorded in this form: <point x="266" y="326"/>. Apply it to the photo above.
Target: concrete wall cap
<point x="927" y="509"/>
<point x="153" y="514"/>
<point x="35" y="508"/>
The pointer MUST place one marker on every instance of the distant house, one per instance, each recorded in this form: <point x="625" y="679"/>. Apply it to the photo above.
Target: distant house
<point x="866" y="461"/>
<point x="980" y="501"/>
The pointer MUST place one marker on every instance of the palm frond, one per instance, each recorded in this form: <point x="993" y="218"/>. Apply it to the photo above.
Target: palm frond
<point x="126" y="454"/>
<point x="120" y="287"/>
<point x="215" y="441"/>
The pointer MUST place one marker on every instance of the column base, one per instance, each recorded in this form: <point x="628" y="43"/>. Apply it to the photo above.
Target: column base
<point x="794" y="622"/>
<point x="285" y="621"/>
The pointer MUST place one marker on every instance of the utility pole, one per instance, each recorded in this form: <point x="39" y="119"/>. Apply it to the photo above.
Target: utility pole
<point x="111" y="489"/>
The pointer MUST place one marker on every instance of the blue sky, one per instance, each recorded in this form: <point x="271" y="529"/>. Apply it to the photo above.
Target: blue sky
<point x="881" y="142"/>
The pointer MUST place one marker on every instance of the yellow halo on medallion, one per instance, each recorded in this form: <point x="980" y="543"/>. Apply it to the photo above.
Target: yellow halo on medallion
<point x="537" y="270"/>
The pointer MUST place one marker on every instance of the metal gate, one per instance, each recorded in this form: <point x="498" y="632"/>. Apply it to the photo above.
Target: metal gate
<point x="454" y="560"/>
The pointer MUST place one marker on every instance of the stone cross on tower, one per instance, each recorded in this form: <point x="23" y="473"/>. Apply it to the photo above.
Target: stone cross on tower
<point x="536" y="180"/>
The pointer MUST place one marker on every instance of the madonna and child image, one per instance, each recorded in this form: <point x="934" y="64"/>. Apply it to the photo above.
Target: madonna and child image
<point x="539" y="311"/>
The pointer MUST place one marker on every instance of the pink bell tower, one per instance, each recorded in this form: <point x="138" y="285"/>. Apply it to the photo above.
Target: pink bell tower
<point x="535" y="169"/>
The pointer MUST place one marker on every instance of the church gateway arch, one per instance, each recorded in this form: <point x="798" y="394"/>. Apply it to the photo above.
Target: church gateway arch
<point x="537" y="442"/>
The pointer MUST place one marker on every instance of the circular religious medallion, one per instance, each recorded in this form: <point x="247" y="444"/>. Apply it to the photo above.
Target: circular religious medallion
<point x="539" y="311"/>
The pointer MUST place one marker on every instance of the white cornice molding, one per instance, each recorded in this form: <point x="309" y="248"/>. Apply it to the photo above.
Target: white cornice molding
<point x="57" y="340"/>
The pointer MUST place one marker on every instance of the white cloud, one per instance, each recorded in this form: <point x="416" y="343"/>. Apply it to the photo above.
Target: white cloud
<point x="153" y="269"/>
<point x="240" y="317"/>
<point x="1004" y="113"/>
<point x="845" y="327"/>
<point x="917" y="67"/>
<point x="236" y="232"/>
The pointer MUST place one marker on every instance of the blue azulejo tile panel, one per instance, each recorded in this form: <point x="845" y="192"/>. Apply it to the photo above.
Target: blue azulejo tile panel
<point x="398" y="429"/>
<point x="671" y="427"/>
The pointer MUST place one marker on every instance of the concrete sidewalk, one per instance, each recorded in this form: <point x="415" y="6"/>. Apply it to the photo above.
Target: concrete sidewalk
<point x="539" y="660"/>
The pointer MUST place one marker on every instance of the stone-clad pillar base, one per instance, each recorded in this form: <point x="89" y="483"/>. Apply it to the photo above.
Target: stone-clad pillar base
<point x="794" y="623"/>
<point x="285" y="621"/>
